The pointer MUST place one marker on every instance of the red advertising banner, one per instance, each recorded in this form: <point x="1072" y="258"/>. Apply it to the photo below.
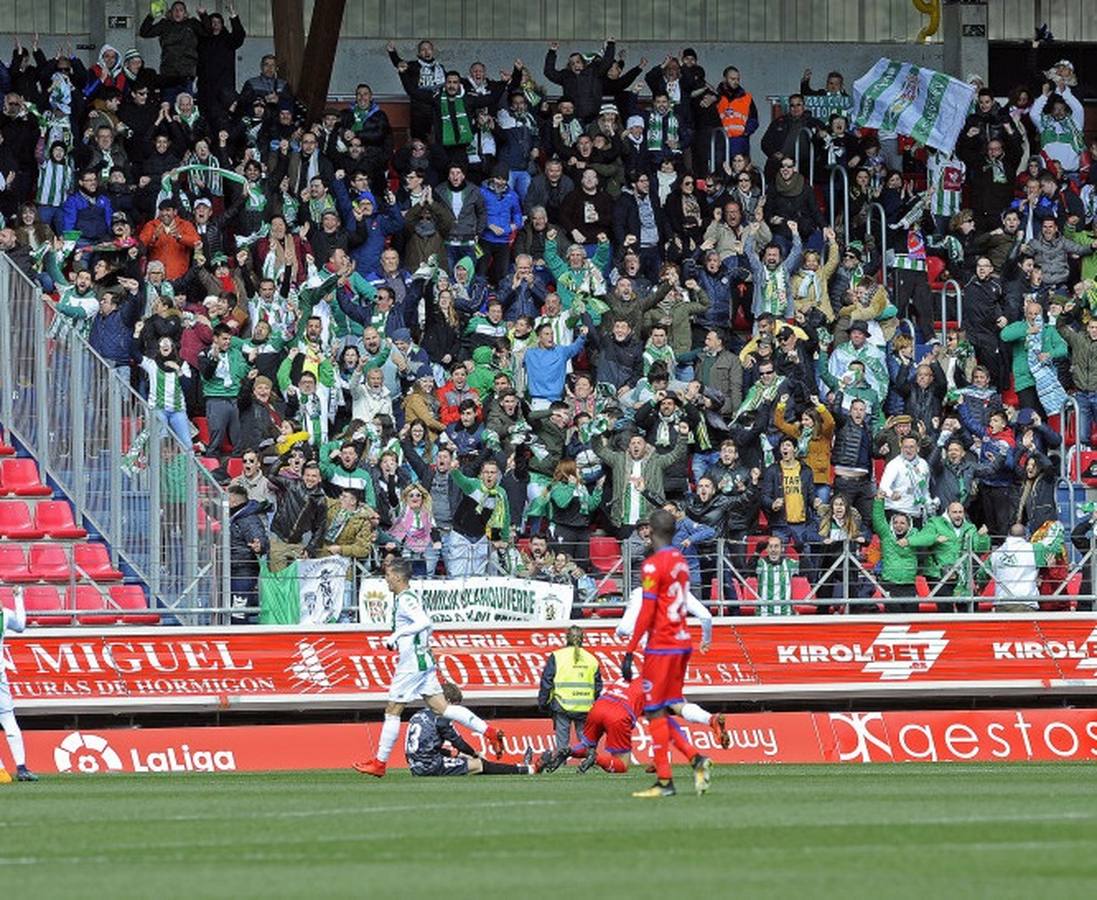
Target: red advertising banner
<point x="54" y="669"/>
<point x="791" y="737"/>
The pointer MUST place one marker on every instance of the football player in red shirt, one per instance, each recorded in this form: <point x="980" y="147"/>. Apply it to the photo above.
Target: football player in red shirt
<point x="614" y="715"/>
<point x="665" y="582"/>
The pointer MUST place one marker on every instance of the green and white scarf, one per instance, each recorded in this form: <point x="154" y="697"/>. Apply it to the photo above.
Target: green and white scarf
<point x="997" y="168"/>
<point x="757" y="395"/>
<point x="803" y="442"/>
<point x="456" y="128"/>
<point x="1048" y="387"/>
<point x="660" y="128"/>
<point x="1061" y="131"/>
<point x="775" y="292"/>
<point x="919" y="481"/>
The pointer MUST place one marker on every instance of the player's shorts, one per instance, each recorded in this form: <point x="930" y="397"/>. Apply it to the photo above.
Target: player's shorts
<point x="612" y="719"/>
<point x="664" y="674"/>
<point x="6" y="706"/>
<point x="440" y="765"/>
<point x="413" y="685"/>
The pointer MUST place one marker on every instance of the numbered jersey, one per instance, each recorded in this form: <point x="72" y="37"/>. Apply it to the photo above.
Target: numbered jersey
<point x="665" y="581"/>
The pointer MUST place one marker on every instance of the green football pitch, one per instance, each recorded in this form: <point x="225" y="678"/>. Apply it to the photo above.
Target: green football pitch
<point x="782" y="831"/>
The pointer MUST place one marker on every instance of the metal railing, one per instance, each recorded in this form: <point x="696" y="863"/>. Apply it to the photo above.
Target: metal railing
<point x="873" y="208"/>
<point x="835" y="577"/>
<point x="163" y="516"/>
<point x="834" y="175"/>
<point x="951" y="286"/>
<point x="811" y="156"/>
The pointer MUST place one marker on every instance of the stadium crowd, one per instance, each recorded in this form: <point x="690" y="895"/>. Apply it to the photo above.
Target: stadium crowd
<point x="535" y="318"/>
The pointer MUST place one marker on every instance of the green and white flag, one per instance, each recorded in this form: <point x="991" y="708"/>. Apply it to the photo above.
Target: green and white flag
<point x="902" y="98"/>
<point x="306" y="592"/>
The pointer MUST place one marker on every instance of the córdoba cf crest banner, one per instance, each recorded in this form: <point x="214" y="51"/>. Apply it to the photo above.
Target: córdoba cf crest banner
<point x="902" y="98"/>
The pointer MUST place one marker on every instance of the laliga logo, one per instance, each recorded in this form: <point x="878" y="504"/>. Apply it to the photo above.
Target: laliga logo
<point x="860" y="723"/>
<point x="92" y="754"/>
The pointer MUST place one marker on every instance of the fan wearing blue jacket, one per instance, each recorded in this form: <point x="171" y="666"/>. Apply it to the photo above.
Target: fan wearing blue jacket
<point x="504" y="218"/>
<point x="367" y="222"/>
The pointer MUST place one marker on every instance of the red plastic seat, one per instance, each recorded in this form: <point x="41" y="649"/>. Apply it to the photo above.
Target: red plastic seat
<point x="13" y="564"/>
<point x="38" y="597"/>
<point x="94" y="561"/>
<point x="748" y="591"/>
<point x="208" y="462"/>
<point x="755" y="545"/>
<point x="88" y="596"/>
<point x="1080" y="465"/>
<point x="19" y="478"/>
<point x="935" y="272"/>
<point x="234" y="465"/>
<point x="206" y="524"/>
<point x="49" y="562"/>
<point x="605" y="552"/>
<point x="203" y="430"/>
<point x="15" y="522"/>
<point x="54" y="517"/>
<point x="6" y="449"/>
<point x="131" y="599"/>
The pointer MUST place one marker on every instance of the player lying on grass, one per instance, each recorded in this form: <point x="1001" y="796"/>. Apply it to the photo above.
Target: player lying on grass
<point x="416" y="674"/>
<point x="433" y="746"/>
<point x="614" y="715"/>
<point x="14" y="621"/>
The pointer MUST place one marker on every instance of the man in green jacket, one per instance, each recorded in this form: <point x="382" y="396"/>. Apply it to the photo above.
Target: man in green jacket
<point x="952" y="540"/>
<point x="1083" y="360"/>
<point x="637" y="472"/>
<point x="1052" y="347"/>
<point x="899" y="565"/>
<point x="223" y="369"/>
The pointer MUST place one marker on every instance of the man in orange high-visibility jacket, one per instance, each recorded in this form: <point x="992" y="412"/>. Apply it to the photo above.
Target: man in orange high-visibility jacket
<point x="738" y="114"/>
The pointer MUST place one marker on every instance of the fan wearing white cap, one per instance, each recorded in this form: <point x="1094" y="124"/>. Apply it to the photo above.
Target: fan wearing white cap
<point x="1059" y="118"/>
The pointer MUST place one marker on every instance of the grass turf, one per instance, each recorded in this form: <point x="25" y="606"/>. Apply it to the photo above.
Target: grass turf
<point x="806" y="831"/>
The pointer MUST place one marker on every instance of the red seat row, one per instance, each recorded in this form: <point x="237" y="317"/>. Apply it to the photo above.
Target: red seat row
<point x="19" y="478"/>
<point x="52" y="562"/>
<point x="51" y="518"/>
<point x="126" y="604"/>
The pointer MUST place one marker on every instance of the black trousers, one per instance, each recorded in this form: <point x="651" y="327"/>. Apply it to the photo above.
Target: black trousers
<point x="859" y="493"/>
<point x="895" y="592"/>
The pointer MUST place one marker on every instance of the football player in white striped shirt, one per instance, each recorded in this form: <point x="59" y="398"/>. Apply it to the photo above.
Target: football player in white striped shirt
<point x="416" y="674"/>
<point x="13" y="621"/>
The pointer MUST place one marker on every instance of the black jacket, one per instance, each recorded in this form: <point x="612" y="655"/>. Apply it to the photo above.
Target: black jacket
<point x="246" y="525"/>
<point x="258" y="422"/>
<point x="586" y="88"/>
<point x="217" y="61"/>
<point x="301" y="511"/>
<point x="618" y="363"/>
<point x="626" y="217"/>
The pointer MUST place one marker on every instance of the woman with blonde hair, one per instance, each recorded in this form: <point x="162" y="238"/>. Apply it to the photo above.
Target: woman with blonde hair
<point x="413" y="526"/>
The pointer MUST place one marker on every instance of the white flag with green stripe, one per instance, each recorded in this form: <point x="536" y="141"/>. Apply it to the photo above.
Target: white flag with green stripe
<point x="902" y="98"/>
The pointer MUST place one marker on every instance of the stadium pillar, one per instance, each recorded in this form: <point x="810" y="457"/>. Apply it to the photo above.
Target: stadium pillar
<point x="964" y="25"/>
<point x="288" y="19"/>
<point x="327" y="22"/>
